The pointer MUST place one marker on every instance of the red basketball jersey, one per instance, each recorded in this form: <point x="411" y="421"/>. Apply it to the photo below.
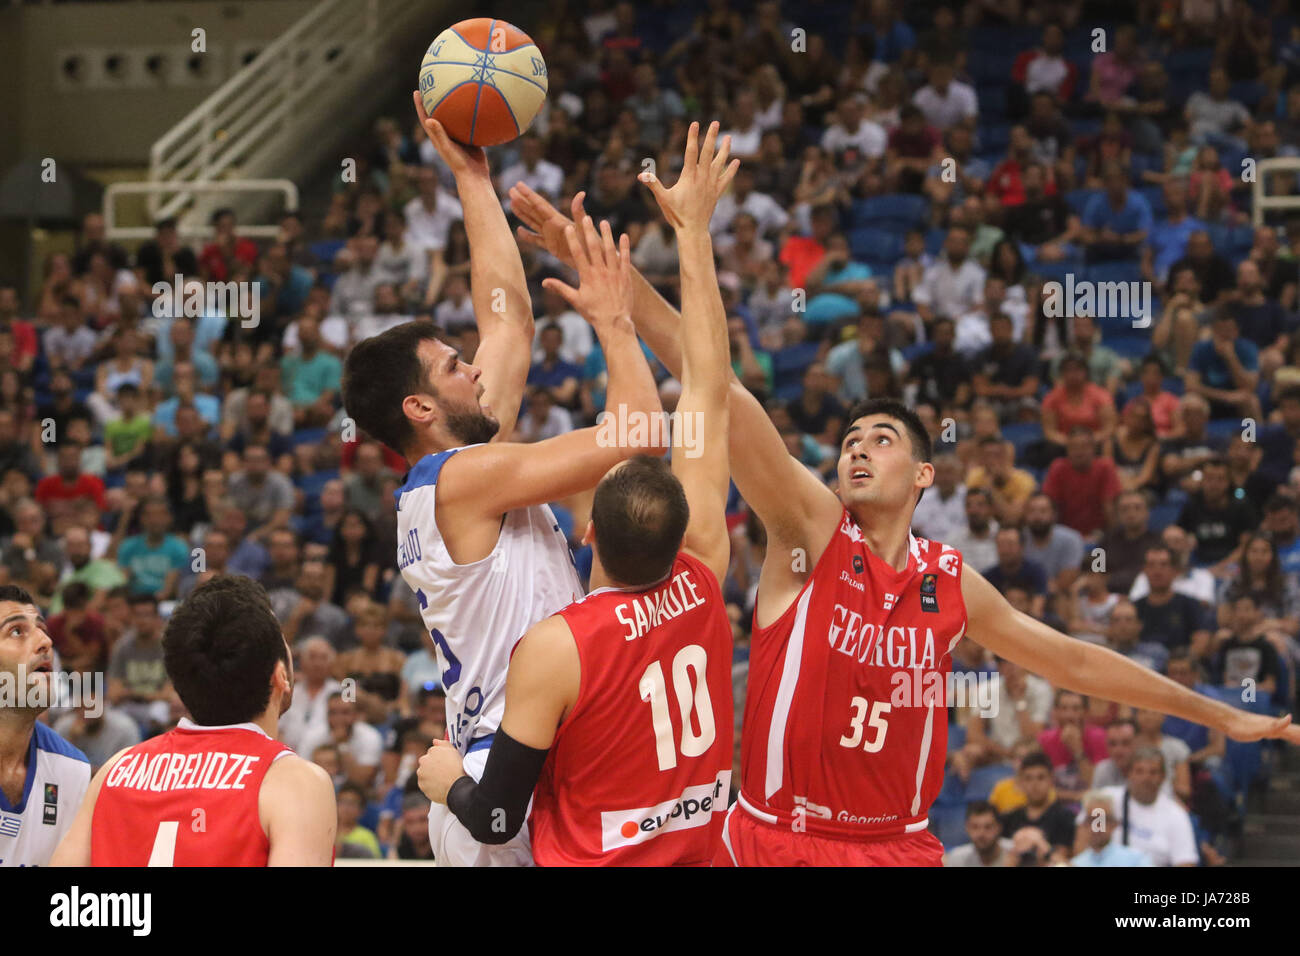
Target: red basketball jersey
<point x="640" y="770"/>
<point x="186" y="798"/>
<point x="846" y="723"/>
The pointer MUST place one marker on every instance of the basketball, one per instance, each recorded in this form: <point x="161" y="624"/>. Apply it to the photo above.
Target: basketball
<point x="484" y="80"/>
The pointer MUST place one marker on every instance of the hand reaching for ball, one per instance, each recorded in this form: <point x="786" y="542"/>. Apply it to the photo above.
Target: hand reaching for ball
<point x="461" y="159"/>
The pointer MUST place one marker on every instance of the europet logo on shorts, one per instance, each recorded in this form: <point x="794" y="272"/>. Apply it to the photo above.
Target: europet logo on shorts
<point x="917" y="687"/>
<point x="41" y="690"/>
<point x="630" y="428"/>
<point x="190" y="298"/>
<point x="694" y="808"/>
<point x="1100" y="300"/>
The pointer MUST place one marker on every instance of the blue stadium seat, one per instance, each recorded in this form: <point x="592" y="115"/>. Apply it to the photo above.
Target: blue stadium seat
<point x="875" y="244"/>
<point x="1131" y="347"/>
<point x="1191" y="60"/>
<point x="788" y="366"/>
<point x="1162" y="516"/>
<point x="1155" y="197"/>
<point x="948" y="824"/>
<point x="308" y="436"/>
<point x="326" y="249"/>
<point x="934" y="241"/>
<point x="983" y="779"/>
<point x="1241" y="238"/>
<point x="1223" y="429"/>
<point x="899" y="210"/>
<point x="1022" y="435"/>
<point x="914" y="351"/>
<point x="994" y="137"/>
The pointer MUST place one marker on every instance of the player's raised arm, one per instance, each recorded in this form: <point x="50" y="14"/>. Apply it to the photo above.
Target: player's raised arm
<point x="700" y="440"/>
<point x="794" y="505"/>
<point x="503" y="309"/>
<point x="1098" y="671"/>
<point x="492" y="479"/>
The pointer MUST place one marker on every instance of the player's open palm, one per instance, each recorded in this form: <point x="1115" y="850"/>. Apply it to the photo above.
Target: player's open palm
<point x="543" y="224"/>
<point x="604" y="293"/>
<point x="705" y="177"/>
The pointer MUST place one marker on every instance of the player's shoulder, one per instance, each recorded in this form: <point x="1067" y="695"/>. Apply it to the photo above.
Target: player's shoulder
<point x="425" y="473"/>
<point x="291" y="777"/>
<point x="49" y="741"/>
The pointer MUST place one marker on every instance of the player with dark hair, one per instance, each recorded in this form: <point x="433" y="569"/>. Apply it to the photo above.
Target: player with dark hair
<point x="841" y="756"/>
<point x="43" y="778"/>
<point x="477" y="542"/>
<point x="619" y="708"/>
<point x="219" y="789"/>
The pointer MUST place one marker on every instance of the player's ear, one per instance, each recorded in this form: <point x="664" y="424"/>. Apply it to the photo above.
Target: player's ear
<point x="924" y="474"/>
<point x="588" y="535"/>
<point x="419" y="409"/>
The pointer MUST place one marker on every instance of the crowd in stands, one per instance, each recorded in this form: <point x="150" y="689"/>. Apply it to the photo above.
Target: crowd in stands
<point x="913" y="178"/>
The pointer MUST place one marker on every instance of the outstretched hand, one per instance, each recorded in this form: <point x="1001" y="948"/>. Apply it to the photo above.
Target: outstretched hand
<point x="1247" y="727"/>
<point x="543" y="225"/>
<point x="461" y="159"/>
<point x="704" y="178"/>
<point x="604" y="293"/>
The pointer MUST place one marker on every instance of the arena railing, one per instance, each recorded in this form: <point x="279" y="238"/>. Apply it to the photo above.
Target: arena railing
<point x="1261" y="201"/>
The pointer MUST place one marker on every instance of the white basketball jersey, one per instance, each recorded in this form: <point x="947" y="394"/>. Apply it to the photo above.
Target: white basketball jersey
<point x="57" y="777"/>
<point x="477" y="612"/>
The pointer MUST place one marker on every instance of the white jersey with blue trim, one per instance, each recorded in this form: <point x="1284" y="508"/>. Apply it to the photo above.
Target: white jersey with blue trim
<point x="57" y="777"/>
<point x="477" y="612"/>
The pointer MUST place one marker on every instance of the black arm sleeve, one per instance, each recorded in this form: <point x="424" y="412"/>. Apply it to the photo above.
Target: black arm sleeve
<point x="493" y="810"/>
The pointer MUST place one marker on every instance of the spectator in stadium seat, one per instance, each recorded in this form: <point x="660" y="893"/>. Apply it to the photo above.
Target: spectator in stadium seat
<point x="283" y="285"/>
<point x="413" y="839"/>
<point x="1083" y="485"/>
<point x="1097" y="836"/>
<point x="1005" y="373"/>
<point x="1043" y="221"/>
<point x="1125" y="637"/>
<point x="137" y="677"/>
<point x="542" y="419"/>
<point x="941" y="513"/>
<point x="354" y="841"/>
<point x="1115" y="70"/>
<point x="915" y="148"/>
<point x="954" y="284"/>
<point x="987" y="846"/>
<point x="307" y="714"/>
<point x="1279" y="275"/>
<point x="1013" y="569"/>
<point x="1125" y="542"/>
<point x="1171" y="233"/>
<point x="1145" y="819"/>
<point x="78" y="632"/>
<point x="533" y="168"/>
<point x="1171" y="618"/>
<point x="1244" y="660"/>
<point x="1215" y="117"/>
<point x="363" y="486"/>
<point x="1197" y="583"/>
<point x="1076" y="402"/>
<point x="284" y="556"/>
<point x="99" y="737"/>
<point x="1116" y="221"/>
<point x="311" y="377"/>
<point x="946" y="184"/>
<point x="168" y="414"/>
<point x="977" y="538"/>
<point x="1058" y="550"/>
<point x="354" y="290"/>
<point x="946" y="101"/>
<point x="552" y="373"/>
<point x="1218" y="519"/>
<point x="940" y="374"/>
<point x="99" y="575"/>
<point x="744" y="197"/>
<point x="69" y="342"/>
<point x="360" y="746"/>
<point x="1162" y="406"/>
<point x="1043" y="69"/>
<point x="800" y="253"/>
<point x="218" y="257"/>
<point x="1191" y="446"/>
<point x="305" y="608"/>
<point x="973" y="333"/>
<point x="1261" y="319"/>
<point x="92" y="242"/>
<point x="69" y="483"/>
<point x="1042" y="807"/>
<point x="1207" y="746"/>
<point x="1212" y="271"/>
<point x="265" y="495"/>
<point x="184" y="351"/>
<point x="153" y="558"/>
<point x="1073" y="746"/>
<point x="1008" y="487"/>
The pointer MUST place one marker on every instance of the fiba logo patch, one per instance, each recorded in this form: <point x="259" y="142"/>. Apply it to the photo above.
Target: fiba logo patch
<point x="858" y="565"/>
<point x="50" y="814"/>
<point x="929" y="585"/>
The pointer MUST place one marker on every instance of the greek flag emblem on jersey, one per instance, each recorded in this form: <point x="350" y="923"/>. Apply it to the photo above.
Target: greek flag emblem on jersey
<point x="9" y="825"/>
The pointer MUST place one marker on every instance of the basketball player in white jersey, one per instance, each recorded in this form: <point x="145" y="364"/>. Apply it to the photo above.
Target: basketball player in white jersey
<point x="476" y="541"/>
<point x="43" y="778"/>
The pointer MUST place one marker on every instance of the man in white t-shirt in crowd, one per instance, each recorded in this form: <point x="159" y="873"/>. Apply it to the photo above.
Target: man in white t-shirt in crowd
<point x="360" y="746"/>
<point x="307" y="716"/>
<point x="851" y="130"/>
<point x="954" y="285"/>
<point x="1059" y="549"/>
<point x="987" y="846"/>
<point x="532" y="168"/>
<point x="430" y="214"/>
<point x="1146" y="819"/>
<point x="945" y="101"/>
<point x="743" y="197"/>
<point x="977" y="538"/>
<point x="941" y="513"/>
<point x="577" y="341"/>
<point x="1196" y="583"/>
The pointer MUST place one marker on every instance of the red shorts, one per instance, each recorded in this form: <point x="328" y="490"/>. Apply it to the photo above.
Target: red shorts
<point x="750" y="842"/>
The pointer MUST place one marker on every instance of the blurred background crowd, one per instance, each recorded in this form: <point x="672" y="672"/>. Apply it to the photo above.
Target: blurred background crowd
<point x="912" y="175"/>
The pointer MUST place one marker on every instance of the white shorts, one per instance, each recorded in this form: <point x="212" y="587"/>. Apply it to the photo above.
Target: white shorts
<point x="452" y="843"/>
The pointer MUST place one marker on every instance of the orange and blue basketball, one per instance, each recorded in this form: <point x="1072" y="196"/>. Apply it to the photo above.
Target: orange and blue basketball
<point x="484" y="80"/>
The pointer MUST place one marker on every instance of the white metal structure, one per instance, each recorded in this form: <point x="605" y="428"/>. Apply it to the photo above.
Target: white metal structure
<point x="1261" y="201"/>
<point x="190" y="227"/>
<point x="274" y="116"/>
